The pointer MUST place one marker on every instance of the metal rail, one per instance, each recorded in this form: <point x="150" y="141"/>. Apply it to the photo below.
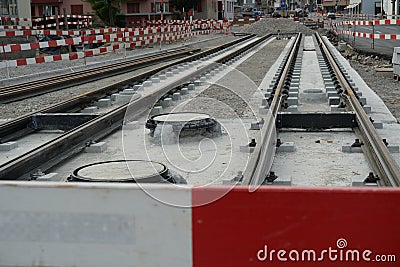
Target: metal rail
<point x="260" y="162"/>
<point x="53" y="152"/>
<point x="28" y="89"/>
<point x="378" y="154"/>
<point x="20" y="126"/>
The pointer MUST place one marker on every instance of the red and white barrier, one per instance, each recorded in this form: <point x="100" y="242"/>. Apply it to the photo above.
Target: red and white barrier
<point x="154" y="225"/>
<point x="369" y="22"/>
<point x="370" y="35"/>
<point x="44" y="19"/>
<point x="131" y="42"/>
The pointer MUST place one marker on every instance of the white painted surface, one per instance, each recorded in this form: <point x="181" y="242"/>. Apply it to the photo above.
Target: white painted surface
<point x="93" y="225"/>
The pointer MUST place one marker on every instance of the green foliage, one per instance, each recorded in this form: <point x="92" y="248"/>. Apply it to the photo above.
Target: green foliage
<point x="102" y="9"/>
<point x="187" y="4"/>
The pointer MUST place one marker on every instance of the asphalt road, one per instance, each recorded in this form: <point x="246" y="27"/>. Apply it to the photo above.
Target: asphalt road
<point x="378" y="46"/>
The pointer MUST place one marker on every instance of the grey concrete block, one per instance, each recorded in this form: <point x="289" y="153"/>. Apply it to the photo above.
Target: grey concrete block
<point x="96" y="148"/>
<point x="362" y="100"/>
<point x="137" y="87"/>
<point x="334" y="100"/>
<point x="378" y="125"/>
<point x="147" y="84"/>
<point x="157" y="110"/>
<point x="176" y="96"/>
<point x="155" y="80"/>
<point x="255" y="126"/>
<point x="113" y="97"/>
<point x="197" y="82"/>
<point x="332" y="94"/>
<point x="393" y="148"/>
<point x="90" y="110"/>
<point x="123" y="98"/>
<point x="286" y="147"/>
<point x="8" y="146"/>
<point x="169" y="74"/>
<point x="367" y="109"/>
<point x="292" y="101"/>
<point x="282" y="181"/>
<point x="191" y="87"/>
<point x="336" y="108"/>
<point x="104" y="103"/>
<point x="292" y="108"/>
<point x="53" y="176"/>
<point x="162" y="77"/>
<point x="184" y="91"/>
<point x="128" y="92"/>
<point x="349" y="149"/>
<point x="166" y="102"/>
<point x="175" y="71"/>
<point x="247" y="149"/>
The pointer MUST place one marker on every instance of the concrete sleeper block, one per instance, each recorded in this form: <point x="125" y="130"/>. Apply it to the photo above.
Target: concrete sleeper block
<point x="96" y="148"/>
<point x="8" y="146"/>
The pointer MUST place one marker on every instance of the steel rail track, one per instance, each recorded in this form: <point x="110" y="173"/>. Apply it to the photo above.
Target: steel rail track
<point x="55" y="151"/>
<point x="28" y="89"/>
<point x="20" y="126"/>
<point x="377" y="152"/>
<point x="261" y="160"/>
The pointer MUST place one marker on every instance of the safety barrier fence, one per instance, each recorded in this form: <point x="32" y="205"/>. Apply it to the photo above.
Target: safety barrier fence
<point x="44" y="18"/>
<point x="124" y="43"/>
<point x="94" y="224"/>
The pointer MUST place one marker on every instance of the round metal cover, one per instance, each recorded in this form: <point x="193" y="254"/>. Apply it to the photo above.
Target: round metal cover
<point x="129" y="171"/>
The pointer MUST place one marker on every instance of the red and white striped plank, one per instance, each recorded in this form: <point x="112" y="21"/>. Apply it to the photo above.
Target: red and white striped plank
<point x="211" y="226"/>
<point x="93" y="52"/>
<point x="138" y="31"/>
<point x="371" y="36"/>
<point x="119" y="37"/>
<point x="370" y="22"/>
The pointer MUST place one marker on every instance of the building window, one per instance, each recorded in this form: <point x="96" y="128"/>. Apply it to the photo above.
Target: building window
<point x="158" y="7"/>
<point x="199" y="7"/>
<point x="166" y="7"/>
<point x="378" y="8"/>
<point x="76" y="9"/>
<point x="49" y="10"/>
<point x="133" y="8"/>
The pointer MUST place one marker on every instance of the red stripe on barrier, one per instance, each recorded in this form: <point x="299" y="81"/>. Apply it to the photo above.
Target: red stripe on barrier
<point x="280" y="226"/>
<point x="40" y="60"/>
<point x="21" y="62"/>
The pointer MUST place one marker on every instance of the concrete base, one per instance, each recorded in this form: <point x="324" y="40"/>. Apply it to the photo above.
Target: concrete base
<point x="176" y="96"/>
<point x="292" y="101"/>
<point x="90" y="110"/>
<point x="8" y="146"/>
<point x="292" y="109"/>
<point x="247" y="149"/>
<point x="378" y="125"/>
<point x="334" y="100"/>
<point x="335" y="108"/>
<point x="393" y="149"/>
<point x="157" y="110"/>
<point x="184" y="91"/>
<point x="128" y="92"/>
<point x="191" y="87"/>
<point x="48" y="177"/>
<point x="367" y="109"/>
<point x="96" y="148"/>
<point x="350" y="149"/>
<point x="282" y="181"/>
<point x="114" y="97"/>
<point x="286" y="147"/>
<point x="103" y="103"/>
<point x="166" y="102"/>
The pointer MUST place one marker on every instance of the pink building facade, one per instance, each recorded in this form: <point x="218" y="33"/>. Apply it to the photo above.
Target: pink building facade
<point x="41" y="8"/>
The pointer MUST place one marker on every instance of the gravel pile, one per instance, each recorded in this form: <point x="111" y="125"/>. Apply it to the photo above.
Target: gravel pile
<point x="267" y="26"/>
